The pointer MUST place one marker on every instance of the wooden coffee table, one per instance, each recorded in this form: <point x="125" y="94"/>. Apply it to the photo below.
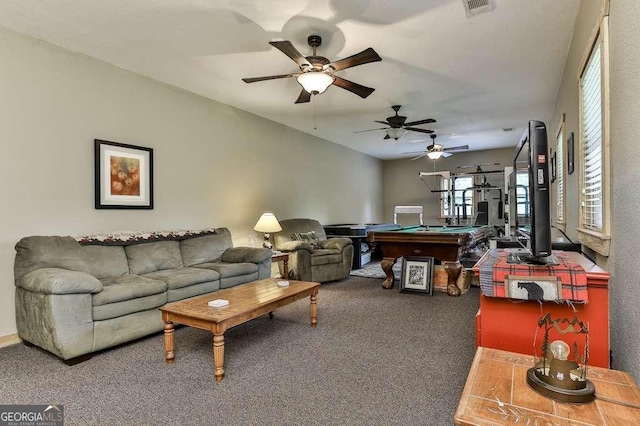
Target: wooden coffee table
<point x="246" y="302"/>
<point x="497" y="393"/>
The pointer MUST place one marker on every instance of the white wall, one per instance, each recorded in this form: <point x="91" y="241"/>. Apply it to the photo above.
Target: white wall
<point x="624" y="32"/>
<point x="625" y="151"/>
<point x="214" y="165"/>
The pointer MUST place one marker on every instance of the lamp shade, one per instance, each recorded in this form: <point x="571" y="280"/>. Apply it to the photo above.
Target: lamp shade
<point x="396" y="132"/>
<point x="315" y="82"/>
<point x="434" y="155"/>
<point x="267" y="223"/>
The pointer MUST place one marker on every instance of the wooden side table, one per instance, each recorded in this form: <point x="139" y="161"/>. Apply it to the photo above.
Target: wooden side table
<point x="497" y="393"/>
<point x="284" y="258"/>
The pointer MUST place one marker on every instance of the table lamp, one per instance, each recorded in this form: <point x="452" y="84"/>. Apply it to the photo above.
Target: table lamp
<point x="267" y="224"/>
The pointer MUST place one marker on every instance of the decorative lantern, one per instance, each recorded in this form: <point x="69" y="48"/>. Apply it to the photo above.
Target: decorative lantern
<point x="561" y="373"/>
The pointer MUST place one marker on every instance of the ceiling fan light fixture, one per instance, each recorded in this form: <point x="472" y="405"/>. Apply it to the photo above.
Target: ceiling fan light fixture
<point x="315" y="82"/>
<point x="434" y="155"/>
<point x="396" y="132"/>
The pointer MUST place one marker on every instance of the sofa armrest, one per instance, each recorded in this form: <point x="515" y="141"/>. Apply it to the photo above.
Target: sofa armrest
<point x="338" y="243"/>
<point x="246" y="254"/>
<point x="59" y="281"/>
<point x="295" y="246"/>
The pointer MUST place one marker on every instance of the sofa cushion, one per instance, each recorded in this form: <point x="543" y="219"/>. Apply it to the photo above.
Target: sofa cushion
<point x="205" y="249"/>
<point x="127" y="287"/>
<point x="125" y="307"/>
<point x="227" y="270"/>
<point x="64" y="252"/>
<point x="156" y="256"/>
<point x="192" y="290"/>
<point x="184" y="277"/>
<point x="325" y="256"/>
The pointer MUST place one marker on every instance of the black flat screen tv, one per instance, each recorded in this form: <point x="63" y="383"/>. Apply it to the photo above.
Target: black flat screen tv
<point x="531" y="194"/>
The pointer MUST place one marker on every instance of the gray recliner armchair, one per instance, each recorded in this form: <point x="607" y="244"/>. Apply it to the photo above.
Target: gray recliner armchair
<point x="313" y="257"/>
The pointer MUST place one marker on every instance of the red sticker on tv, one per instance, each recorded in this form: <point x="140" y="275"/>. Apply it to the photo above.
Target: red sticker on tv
<point x="542" y="158"/>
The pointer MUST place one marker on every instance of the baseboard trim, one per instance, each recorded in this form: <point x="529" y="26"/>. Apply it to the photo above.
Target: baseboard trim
<point x="9" y="340"/>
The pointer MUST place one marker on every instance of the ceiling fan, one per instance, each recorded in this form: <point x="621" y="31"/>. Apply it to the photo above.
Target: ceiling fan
<point x="317" y="72"/>
<point x="435" y="150"/>
<point x="399" y="126"/>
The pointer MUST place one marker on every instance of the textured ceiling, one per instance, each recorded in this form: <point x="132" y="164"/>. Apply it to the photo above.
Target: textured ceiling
<point x="474" y="75"/>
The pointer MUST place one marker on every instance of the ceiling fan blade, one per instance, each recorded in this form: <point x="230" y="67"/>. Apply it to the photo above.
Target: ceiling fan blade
<point x="419" y="156"/>
<point x="455" y="148"/>
<point x="446" y="154"/>
<point x="370" y="130"/>
<point x="270" y="77"/>
<point x="364" y="57"/>
<point x="415" y="129"/>
<point x="287" y="48"/>
<point x="383" y="122"/>
<point x="425" y="121"/>
<point x="356" y="88"/>
<point x="303" y="97"/>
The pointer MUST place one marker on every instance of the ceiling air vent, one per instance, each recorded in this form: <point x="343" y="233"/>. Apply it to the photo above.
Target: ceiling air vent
<point x="474" y="7"/>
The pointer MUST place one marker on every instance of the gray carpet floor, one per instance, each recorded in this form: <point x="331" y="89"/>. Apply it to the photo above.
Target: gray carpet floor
<point x="377" y="357"/>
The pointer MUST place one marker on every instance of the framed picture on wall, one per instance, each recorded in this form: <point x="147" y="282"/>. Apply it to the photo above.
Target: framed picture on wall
<point x="417" y="275"/>
<point x="570" y="153"/>
<point x="123" y="176"/>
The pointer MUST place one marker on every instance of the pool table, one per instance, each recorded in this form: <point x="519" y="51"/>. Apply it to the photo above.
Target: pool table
<point x="444" y="243"/>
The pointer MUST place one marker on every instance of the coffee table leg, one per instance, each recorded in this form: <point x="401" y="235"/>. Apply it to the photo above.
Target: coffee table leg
<point x="314" y="309"/>
<point x="218" y="356"/>
<point x="169" y="355"/>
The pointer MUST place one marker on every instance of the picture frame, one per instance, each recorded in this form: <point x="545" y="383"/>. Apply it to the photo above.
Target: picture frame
<point x="123" y="176"/>
<point x="570" y="154"/>
<point x="417" y="275"/>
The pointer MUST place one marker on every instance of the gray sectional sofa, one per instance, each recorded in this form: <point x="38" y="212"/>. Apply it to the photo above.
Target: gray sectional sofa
<point x="74" y="297"/>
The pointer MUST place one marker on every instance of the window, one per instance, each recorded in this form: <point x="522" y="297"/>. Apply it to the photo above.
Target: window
<point x="461" y="183"/>
<point x="560" y="173"/>
<point x="590" y="86"/>
<point x="594" y="227"/>
<point x="522" y="197"/>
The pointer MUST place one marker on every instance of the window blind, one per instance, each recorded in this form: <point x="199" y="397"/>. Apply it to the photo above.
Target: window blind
<point x="591" y="88"/>
<point x="560" y="177"/>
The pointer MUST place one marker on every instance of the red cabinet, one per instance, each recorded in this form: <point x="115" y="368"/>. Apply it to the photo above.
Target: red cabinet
<point x="510" y="325"/>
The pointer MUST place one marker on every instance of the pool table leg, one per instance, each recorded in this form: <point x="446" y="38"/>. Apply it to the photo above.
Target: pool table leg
<point x="453" y="272"/>
<point x="387" y="267"/>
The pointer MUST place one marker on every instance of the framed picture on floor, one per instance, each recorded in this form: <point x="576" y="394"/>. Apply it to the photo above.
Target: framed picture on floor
<point x="123" y="176"/>
<point x="417" y="275"/>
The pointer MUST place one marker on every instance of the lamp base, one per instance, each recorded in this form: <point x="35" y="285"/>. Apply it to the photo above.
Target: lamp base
<point x="267" y="242"/>
<point x="586" y="394"/>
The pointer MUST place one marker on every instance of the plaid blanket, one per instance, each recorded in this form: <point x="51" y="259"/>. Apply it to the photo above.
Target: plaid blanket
<point x="494" y="271"/>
